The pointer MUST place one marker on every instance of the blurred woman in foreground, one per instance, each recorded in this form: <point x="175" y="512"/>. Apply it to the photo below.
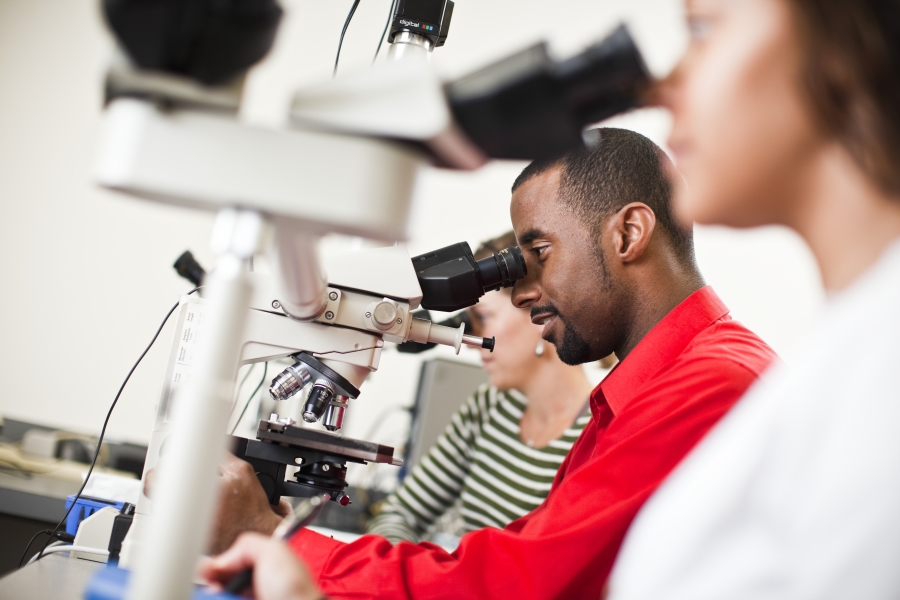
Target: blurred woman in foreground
<point x="788" y="112"/>
<point x="497" y="458"/>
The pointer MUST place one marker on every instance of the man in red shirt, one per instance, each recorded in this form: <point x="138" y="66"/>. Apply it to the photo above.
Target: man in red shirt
<point x="609" y="270"/>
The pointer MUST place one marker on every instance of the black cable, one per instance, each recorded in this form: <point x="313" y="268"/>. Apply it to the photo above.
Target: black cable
<point x="383" y="33"/>
<point x="31" y="541"/>
<point x="343" y="31"/>
<point x="252" y="396"/>
<point x="61" y="536"/>
<point x="105" y="423"/>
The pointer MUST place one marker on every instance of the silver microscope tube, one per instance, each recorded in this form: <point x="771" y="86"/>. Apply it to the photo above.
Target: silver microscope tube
<point x="289" y="382"/>
<point x="407" y="43"/>
<point x="334" y="416"/>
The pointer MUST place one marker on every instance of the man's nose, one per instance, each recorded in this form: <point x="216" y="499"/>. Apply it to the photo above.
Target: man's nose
<point x="526" y="291"/>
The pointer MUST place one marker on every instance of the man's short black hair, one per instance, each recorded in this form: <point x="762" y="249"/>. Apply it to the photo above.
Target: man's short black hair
<point x="617" y="167"/>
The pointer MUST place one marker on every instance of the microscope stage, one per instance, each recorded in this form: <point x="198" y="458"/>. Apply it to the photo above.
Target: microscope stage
<point x="325" y="442"/>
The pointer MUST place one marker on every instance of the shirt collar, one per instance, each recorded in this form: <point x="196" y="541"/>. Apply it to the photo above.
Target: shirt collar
<point x="659" y="347"/>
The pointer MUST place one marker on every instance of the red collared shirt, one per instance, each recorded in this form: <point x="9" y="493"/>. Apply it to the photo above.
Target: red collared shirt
<point x="647" y="414"/>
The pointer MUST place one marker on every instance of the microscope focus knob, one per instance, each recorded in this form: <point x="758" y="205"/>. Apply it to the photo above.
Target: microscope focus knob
<point x="384" y="314"/>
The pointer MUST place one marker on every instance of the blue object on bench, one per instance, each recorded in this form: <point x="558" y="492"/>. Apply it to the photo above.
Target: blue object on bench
<point x="85" y="507"/>
<point x="111" y="583"/>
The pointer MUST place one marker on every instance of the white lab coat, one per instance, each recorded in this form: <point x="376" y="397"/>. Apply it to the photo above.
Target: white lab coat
<point x="795" y="494"/>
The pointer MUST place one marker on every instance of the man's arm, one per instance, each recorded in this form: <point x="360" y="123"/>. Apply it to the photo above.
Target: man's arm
<point x="565" y="548"/>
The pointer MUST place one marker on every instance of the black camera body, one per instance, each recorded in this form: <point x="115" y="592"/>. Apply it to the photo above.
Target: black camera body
<point x="428" y="18"/>
<point x="452" y="279"/>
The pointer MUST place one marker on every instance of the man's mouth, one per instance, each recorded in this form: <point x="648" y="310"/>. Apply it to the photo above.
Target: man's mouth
<point x="547" y="320"/>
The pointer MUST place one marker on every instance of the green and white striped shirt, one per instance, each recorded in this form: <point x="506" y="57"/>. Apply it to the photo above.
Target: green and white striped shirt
<point x="480" y="464"/>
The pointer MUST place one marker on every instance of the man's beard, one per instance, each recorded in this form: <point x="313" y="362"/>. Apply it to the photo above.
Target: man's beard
<point x="572" y="349"/>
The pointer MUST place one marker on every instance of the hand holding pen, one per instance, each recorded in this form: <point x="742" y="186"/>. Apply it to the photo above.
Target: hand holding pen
<point x="266" y="562"/>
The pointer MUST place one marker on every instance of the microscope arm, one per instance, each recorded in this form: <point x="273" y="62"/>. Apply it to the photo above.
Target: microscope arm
<point x="302" y="283"/>
<point x="270" y="336"/>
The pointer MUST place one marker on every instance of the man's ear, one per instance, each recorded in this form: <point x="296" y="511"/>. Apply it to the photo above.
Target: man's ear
<point x="632" y="227"/>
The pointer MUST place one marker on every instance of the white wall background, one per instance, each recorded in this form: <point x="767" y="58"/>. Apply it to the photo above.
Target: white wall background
<point x="86" y="272"/>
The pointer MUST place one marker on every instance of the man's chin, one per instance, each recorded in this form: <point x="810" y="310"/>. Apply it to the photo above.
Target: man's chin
<point x="550" y="338"/>
<point x="572" y="358"/>
<point x="572" y="349"/>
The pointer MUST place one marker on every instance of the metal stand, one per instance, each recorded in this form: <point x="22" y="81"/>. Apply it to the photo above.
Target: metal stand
<point x="187" y="487"/>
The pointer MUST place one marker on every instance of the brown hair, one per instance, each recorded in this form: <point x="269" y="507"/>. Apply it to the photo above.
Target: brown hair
<point x="851" y="72"/>
<point x="495" y="245"/>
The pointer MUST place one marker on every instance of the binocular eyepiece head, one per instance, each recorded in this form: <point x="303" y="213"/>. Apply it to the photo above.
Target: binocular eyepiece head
<point x="529" y="106"/>
<point x="452" y="279"/>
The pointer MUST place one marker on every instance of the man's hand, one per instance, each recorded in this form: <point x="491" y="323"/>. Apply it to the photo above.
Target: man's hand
<point x="277" y="574"/>
<point x="243" y="505"/>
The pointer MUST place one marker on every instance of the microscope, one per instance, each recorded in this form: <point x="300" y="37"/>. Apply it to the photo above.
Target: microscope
<point x="172" y="134"/>
<point x="331" y="355"/>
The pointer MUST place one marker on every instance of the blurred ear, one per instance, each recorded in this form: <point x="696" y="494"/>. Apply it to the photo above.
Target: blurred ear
<point x="632" y="228"/>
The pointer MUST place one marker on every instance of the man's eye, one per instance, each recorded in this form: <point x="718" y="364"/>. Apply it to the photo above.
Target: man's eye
<point x="539" y="251"/>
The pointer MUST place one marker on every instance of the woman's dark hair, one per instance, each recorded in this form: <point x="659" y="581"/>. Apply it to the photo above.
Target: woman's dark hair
<point x="851" y="72"/>
<point x="496" y="244"/>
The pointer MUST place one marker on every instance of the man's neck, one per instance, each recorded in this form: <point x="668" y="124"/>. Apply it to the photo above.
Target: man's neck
<point x="659" y="290"/>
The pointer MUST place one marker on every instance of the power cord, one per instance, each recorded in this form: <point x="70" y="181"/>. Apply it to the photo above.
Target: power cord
<point x="384" y="33"/>
<point x="62" y="536"/>
<point x="103" y="432"/>
<point x="344" y="31"/>
<point x="252" y="396"/>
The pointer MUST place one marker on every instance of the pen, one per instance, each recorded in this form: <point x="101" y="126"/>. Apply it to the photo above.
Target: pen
<point x="305" y="513"/>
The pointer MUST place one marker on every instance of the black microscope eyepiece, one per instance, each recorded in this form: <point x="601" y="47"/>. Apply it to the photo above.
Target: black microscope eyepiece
<point x="502" y="269"/>
<point x="452" y="279"/>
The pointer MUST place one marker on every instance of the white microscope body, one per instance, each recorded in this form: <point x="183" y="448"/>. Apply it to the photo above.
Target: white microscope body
<point x="348" y="337"/>
<point x="326" y="174"/>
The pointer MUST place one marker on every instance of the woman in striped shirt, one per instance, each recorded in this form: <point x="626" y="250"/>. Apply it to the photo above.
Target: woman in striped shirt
<point x="497" y="458"/>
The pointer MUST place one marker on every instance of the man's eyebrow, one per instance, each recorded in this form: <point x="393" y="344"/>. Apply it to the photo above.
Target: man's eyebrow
<point x="529" y="235"/>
